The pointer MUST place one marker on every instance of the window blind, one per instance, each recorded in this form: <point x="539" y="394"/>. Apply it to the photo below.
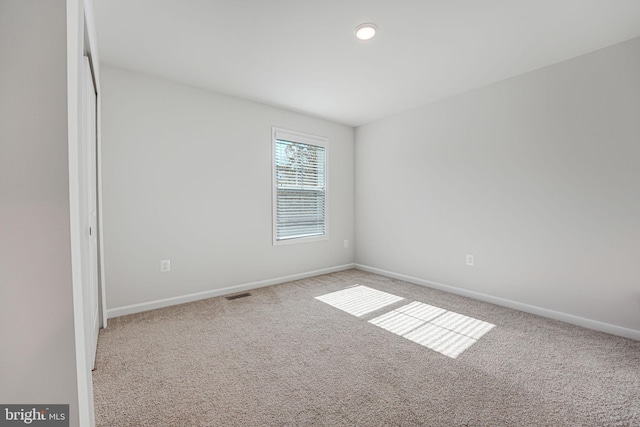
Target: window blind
<point x="300" y="170"/>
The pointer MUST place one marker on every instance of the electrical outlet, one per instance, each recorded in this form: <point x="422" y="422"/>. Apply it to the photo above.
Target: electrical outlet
<point x="470" y="260"/>
<point x="346" y="243"/>
<point x="165" y="265"/>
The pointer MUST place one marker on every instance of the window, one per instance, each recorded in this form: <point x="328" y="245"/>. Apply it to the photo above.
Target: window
<point x="300" y="187"/>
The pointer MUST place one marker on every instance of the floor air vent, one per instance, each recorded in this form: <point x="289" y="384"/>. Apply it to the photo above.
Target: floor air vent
<point x="236" y="296"/>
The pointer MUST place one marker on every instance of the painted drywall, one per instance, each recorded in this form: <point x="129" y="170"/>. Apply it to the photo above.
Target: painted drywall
<point x="187" y="177"/>
<point x="537" y="176"/>
<point x="37" y="354"/>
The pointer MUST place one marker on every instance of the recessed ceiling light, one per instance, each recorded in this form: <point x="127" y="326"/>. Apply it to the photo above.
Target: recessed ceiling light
<point x="366" y="31"/>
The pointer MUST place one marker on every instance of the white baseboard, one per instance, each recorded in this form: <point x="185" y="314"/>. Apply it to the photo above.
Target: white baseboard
<point x="151" y="305"/>
<point x="544" y="312"/>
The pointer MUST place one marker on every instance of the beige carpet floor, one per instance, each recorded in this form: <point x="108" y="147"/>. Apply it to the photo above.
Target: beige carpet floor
<point x="281" y="357"/>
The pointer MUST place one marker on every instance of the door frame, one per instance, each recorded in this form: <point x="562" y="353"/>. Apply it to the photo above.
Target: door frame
<point x="89" y="161"/>
<point x="95" y="69"/>
<point x="80" y="20"/>
<point x="101" y="270"/>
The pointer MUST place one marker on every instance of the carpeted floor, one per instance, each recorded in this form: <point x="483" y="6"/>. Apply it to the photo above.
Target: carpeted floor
<point x="281" y="357"/>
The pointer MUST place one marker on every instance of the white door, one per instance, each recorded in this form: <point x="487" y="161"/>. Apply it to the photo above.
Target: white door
<point x="90" y="212"/>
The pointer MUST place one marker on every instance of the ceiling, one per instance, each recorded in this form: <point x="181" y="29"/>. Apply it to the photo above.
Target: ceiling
<point x="302" y="55"/>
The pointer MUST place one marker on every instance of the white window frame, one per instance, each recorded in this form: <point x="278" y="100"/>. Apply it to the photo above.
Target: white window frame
<point x="301" y="138"/>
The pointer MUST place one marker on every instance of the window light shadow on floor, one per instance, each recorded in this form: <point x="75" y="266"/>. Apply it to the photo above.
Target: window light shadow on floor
<point x="444" y="331"/>
<point x="359" y="300"/>
<point x="440" y="330"/>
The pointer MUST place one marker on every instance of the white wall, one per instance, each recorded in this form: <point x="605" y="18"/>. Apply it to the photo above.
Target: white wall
<point x="37" y="350"/>
<point x="187" y="177"/>
<point x="537" y="176"/>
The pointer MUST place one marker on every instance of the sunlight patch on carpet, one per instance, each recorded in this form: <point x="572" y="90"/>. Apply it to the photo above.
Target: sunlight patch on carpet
<point x="441" y="340"/>
<point x="463" y="325"/>
<point x="359" y="300"/>
<point x="440" y="330"/>
<point x="421" y="311"/>
<point x="397" y="323"/>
